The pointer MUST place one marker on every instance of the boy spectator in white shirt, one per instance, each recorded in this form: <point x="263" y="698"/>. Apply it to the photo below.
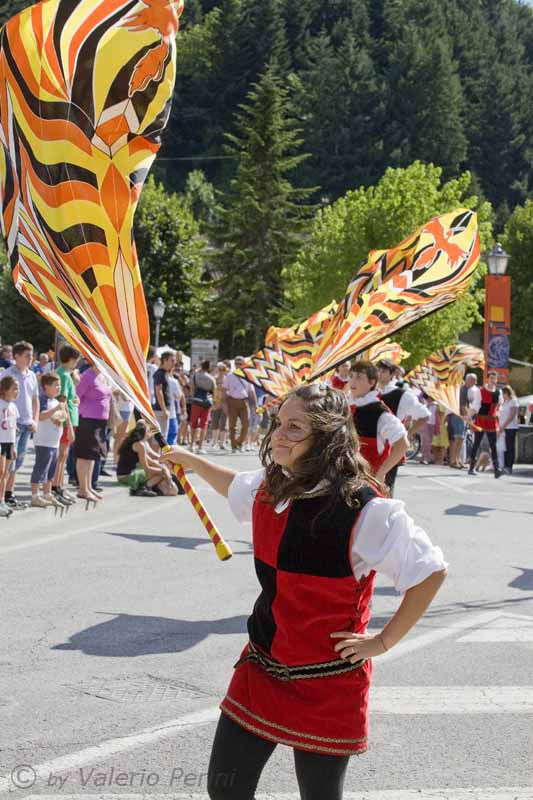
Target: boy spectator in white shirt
<point x="27" y="404"/>
<point x="9" y="390"/>
<point x="46" y="440"/>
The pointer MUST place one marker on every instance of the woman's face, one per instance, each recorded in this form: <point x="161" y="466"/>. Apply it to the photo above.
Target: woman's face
<point x="292" y="435"/>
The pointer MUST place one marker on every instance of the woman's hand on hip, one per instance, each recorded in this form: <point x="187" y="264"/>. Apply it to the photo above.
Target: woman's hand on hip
<point x="357" y="646"/>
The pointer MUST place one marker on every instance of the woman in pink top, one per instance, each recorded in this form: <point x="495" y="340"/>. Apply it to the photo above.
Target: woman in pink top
<point x="94" y="393"/>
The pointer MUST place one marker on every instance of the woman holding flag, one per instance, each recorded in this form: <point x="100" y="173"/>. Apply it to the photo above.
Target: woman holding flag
<point x="321" y="531"/>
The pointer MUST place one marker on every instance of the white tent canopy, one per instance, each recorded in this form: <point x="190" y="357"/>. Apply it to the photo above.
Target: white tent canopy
<point x="168" y="349"/>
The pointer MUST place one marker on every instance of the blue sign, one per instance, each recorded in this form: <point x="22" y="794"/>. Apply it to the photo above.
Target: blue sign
<point x="499" y="351"/>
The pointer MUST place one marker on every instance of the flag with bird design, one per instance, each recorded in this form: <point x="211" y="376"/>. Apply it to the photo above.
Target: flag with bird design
<point x="85" y="90"/>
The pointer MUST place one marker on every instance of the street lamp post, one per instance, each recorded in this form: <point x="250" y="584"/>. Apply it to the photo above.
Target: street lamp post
<point x="159" y="312"/>
<point x="497" y="314"/>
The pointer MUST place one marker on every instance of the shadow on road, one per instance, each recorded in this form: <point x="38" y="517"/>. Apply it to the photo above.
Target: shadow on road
<point x="181" y="542"/>
<point x="128" y="635"/>
<point x="463" y="510"/>
<point x="523" y="581"/>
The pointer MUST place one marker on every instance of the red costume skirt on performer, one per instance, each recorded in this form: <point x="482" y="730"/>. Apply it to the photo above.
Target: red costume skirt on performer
<point x="326" y="715"/>
<point x="486" y="423"/>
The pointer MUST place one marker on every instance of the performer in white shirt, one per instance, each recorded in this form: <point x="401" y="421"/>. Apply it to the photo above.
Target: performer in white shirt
<point x="382" y="437"/>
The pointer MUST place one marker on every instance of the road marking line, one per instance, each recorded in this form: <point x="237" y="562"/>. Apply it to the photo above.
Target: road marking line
<point x="436" y="635"/>
<point x="58" y="537"/>
<point x="119" y="745"/>
<point x="509" y="628"/>
<point x="474" y="793"/>
<point x="451" y="700"/>
<point x="449" y="485"/>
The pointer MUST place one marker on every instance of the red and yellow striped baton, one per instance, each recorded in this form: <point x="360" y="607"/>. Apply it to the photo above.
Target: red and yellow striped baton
<point x="223" y="550"/>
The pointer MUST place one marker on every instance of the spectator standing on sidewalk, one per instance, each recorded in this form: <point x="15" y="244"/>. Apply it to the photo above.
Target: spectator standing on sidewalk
<point x="202" y="390"/>
<point x="68" y="359"/>
<point x="152" y="363"/>
<point x="508" y="416"/>
<point x="6" y="356"/>
<point x="236" y="390"/>
<point x="42" y="365"/>
<point x="94" y="393"/>
<point x="427" y="430"/>
<point x="52" y="415"/>
<point x="27" y="404"/>
<point x="219" y="412"/>
<point x="9" y="390"/>
<point x="175" y="408"/>
<point x="183" y="380"/>
<point x="162" y="390"/>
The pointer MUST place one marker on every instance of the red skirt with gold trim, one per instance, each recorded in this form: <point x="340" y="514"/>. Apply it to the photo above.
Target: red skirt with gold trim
<point x="325" y="715"/>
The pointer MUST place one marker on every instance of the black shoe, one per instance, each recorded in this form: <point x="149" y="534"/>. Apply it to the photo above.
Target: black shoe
<point x="105" y="473"/>
<point x="15" y="504"/>
<point x="58" y="494"/>
<point x="498" y="473"/>
<point x="144" y="492"/>
<point x="471" y="471"/>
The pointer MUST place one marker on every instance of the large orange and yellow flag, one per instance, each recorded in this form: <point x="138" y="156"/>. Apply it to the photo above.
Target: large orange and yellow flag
<point x="393" y="289"/>
<point x="85" y="89"/>
<point x="440" y="375"/>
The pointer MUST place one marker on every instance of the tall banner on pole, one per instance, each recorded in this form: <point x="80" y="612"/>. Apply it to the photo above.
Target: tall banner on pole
<point x="498" y="325"/>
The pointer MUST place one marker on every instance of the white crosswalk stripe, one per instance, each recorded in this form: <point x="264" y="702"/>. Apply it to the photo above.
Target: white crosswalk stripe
<point x="451" y="700"/>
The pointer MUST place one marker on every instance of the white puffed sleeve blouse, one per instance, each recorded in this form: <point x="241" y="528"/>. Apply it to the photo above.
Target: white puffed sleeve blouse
<point x="386" y="539"/>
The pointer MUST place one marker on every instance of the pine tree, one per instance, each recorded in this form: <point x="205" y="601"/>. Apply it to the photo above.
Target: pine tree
<point x="426" y="104"/>
<point x="262" y="219"/>
<point x="339" y="99"/>
<point x="262" y="38"/>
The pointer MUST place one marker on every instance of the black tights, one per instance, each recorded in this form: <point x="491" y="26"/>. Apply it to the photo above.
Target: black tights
<point x="478" y="437"/>
<point x="238" y="758"/>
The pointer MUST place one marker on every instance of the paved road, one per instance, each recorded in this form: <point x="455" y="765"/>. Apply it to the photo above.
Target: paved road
<point x="120" y="629"/>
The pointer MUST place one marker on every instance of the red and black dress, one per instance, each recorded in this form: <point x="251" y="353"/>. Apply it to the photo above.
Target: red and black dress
<point x="366" y="419"/>
<point x="487" y="417"/>
<point x="289" y="686"/>
<point x="486" y="420"/>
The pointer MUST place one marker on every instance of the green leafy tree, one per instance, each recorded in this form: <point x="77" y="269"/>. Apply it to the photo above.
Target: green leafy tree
<point x="518" y="241"/>
<point x="261" y="220"/>
<point x="376" y="217"/>
<point x="18" y="319"/>
<point x="172" y="257"/>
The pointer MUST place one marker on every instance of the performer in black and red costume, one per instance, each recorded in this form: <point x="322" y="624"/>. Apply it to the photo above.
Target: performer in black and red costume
<point x="341" y="378"/>
<point x="321" y="531"/>
<point x="486" y="420"/>
<point x="382" y="436"/>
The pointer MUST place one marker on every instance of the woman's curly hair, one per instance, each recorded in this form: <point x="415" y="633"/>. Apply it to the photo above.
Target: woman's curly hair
<point x="333" y="455"/>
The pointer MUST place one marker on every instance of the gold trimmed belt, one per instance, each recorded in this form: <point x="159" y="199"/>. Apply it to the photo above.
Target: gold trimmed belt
<point x="284" y="673"/>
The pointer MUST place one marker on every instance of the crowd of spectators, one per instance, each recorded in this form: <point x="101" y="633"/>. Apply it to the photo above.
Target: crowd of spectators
<point x="79" y="423"/>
